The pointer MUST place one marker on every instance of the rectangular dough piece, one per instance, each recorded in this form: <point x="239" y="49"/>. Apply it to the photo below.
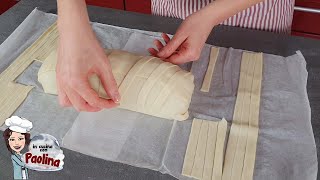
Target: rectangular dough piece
<point x="204" y="156"/>
<point x="241" y="148"/>
<point x="218" y="155"/>
<point x="244" y="121"/>
<point x="210" y="151"/>
<point x="233" y="135"/>
<point x="208" y="76"/>
<point x="191" y="147"/>
<point x="253" y="131"/>
<point x="197" y="169"/>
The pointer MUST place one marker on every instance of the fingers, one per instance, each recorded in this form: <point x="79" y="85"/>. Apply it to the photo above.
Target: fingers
<point x="165" y="37"/>
<point x="158" y="44"/>
<point x="153" y="52"/>
<point x="89" y="95"/>
<point x="78" y="102"/>
<point x="108" y="81"/>
<point x="63" y="98"/>
<point x="183" y="55"/>
<point x="172" y="45"/>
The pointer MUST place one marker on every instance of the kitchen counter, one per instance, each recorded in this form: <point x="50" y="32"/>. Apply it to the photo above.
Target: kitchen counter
<point x="87" y="167"/>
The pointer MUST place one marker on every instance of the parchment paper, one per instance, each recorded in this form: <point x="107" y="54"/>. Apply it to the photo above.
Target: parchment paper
<point x="286" y="147"/>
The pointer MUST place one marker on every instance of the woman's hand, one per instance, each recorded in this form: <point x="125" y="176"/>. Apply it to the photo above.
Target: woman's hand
<point x="187" y="43"/>
<point x="80" y="56"/>
<point x="78" y="59"/>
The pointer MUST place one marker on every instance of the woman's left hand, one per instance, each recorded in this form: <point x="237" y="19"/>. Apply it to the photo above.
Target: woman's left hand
<point x="187" y="43"/>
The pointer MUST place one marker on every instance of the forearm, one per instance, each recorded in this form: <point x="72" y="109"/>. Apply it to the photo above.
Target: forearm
<point x="73" y="18"/>
<point x="220" y="10"/>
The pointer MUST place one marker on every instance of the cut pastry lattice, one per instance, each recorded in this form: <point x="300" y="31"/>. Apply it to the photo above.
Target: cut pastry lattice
<point x="204" y="154"/>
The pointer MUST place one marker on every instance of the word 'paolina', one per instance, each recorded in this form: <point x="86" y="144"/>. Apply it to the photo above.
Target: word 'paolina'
<point x="44" y="159"/>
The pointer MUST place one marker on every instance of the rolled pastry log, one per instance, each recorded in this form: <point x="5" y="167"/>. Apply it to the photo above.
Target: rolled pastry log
<point x="146" y="84"/>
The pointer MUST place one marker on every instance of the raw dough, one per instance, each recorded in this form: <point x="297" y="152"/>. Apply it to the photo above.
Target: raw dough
<point x="241" y="148"/>
<point x="250" y="154"/>
<point x="197" y="169"/>
<point x="212" y="62"/>
<point x="204" y="154"/>
<point x="210" y="151"/>
<point x="218" y="156"/>
<point x="13" y="94"/>
<point x="191" y="147"/>
<point x="146" y="84"/>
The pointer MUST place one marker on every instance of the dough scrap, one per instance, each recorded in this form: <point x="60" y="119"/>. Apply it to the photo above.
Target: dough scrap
<point x="208" y="76"/>
<point x="13" y="94"/>
<point x="204" y="154"/>
<point x="241" y="149"/>
<point x="146" y="84"/>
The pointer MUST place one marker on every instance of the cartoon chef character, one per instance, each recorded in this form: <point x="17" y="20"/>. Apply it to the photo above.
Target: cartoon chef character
<point x="17" y="136"/>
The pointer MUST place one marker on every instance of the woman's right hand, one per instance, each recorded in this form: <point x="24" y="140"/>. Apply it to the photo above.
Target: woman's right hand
<point x="80" y="56"/>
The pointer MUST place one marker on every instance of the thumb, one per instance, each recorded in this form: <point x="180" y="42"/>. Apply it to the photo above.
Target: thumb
<point x="172" y="46"/>
<point x="108" y="81"/>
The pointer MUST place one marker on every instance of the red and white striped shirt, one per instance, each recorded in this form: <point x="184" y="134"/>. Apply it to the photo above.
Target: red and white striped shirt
<point x="269" y="15"/>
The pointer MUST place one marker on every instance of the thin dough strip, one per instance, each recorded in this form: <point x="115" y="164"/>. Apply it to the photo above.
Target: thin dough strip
<point x="198" y="165"/>
<point x="218" y="156"/>
<point x="208" y="76"/>
<point x="210" y="151"/>
<point x="191" y="147"/>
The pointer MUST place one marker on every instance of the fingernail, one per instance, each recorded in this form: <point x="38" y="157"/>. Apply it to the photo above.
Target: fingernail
<point x="116" y="98"/>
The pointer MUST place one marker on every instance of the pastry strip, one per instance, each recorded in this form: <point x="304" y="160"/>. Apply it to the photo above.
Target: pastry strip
<point x="191" y="147"/>
<point x="210" y="151"/>
<point x="219" y="150"/>
<point x="197" y="169"/>
<point x="208" y="77"/>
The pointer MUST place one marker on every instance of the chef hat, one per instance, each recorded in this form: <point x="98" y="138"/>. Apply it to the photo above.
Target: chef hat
<point x="18" y="124"/>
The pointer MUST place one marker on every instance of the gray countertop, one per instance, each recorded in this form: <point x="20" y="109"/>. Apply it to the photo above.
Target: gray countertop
<point x="79" y="166"/>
